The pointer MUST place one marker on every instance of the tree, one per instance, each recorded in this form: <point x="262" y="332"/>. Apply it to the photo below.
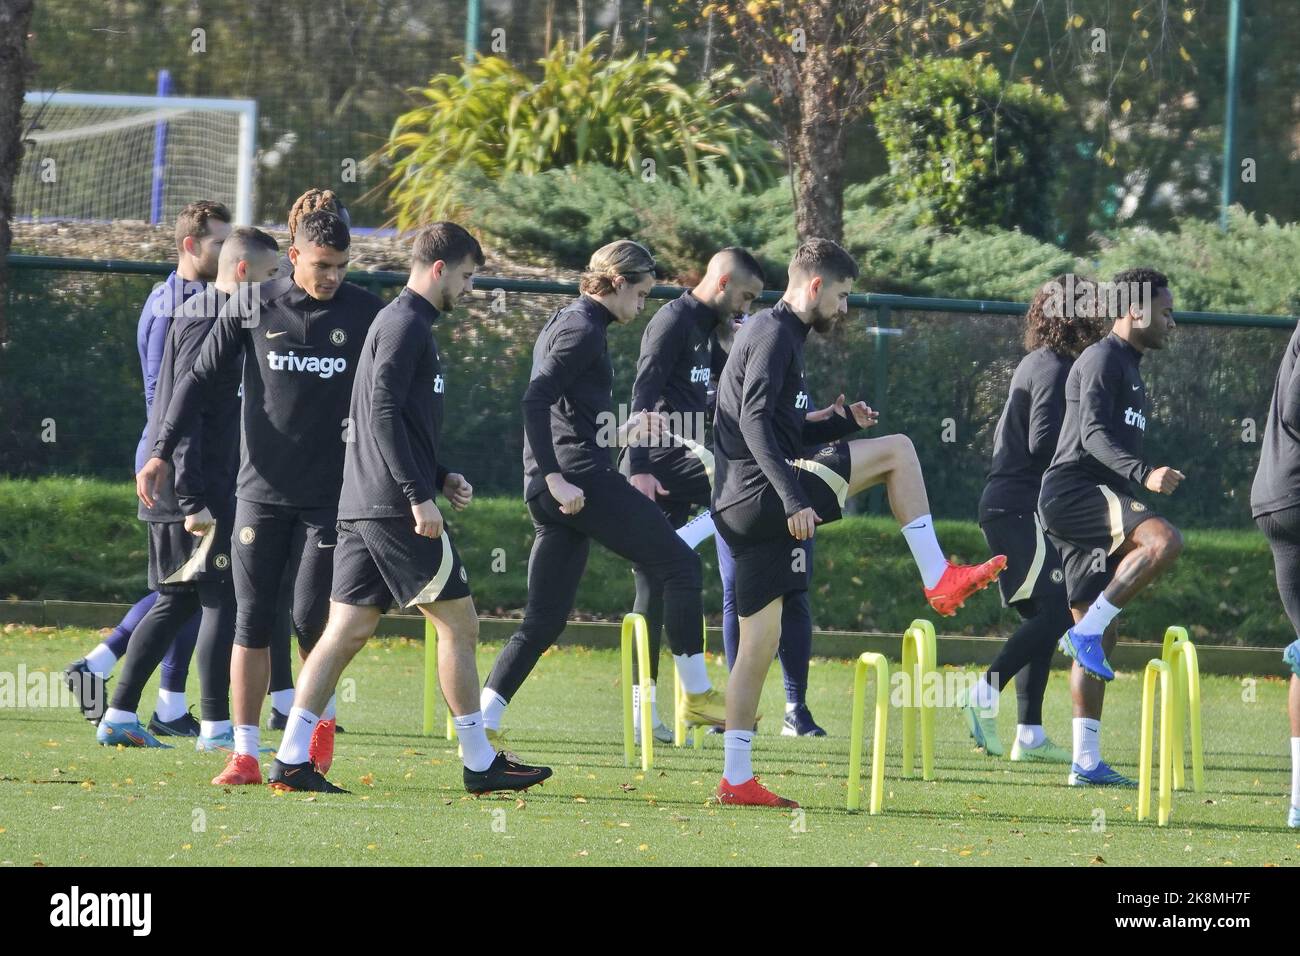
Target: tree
<point x="823" y="61"/>
<point x="15" y="18"/>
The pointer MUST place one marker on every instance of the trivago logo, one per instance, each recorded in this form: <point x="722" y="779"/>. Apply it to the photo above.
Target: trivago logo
<point x="74" y="908"/>
<point x="311" y="364"/>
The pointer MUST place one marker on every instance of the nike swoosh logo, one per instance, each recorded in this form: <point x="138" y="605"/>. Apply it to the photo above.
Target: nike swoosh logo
<point x="271" y="335"/>
<point x="321" y="544"/>
<point x="1136" y="387"/>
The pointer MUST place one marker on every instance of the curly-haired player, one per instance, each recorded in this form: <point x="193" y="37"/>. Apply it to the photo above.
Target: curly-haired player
<point x="1063" y="320"/>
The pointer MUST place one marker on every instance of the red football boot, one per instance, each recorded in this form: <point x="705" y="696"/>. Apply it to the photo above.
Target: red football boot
<point x="321" y="749"/>
<point x="960" y="581"/>
<point x="751" y="793"/>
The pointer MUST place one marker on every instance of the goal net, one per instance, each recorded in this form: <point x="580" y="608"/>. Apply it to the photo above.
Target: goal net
<point x="97" y="156"/>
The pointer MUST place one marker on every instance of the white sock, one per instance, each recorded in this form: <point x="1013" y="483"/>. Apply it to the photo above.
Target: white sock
<point x="170" y="705"/>
<point x="1098" y="617"/>
<point x="985" y="697"/>
<point x="1030" y="735"/>
<point x="101" y="660"/>
<point x="1295" y="771"/>
<point x="698" y="530"/>
<point x="1087" y="742"/>
<point x="790" y="708"/>
<point x="493" y="707"/>
<point x="297" y="736"/>
<point x="214" y="728"/>
<point x="636" y="707"/>
<point x="247" y="739"/>
<point x="925" y="550"/>
<point x="692" y="673"/>
<point x="476" y="753"/>
<point x="115" y="716"/>
<point x="737" y="767"/>
<point x="282" y="700"/>
<point x="329" y="713"/>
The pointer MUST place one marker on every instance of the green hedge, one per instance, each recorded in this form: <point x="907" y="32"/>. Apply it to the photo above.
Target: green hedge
<point x="980" y="148"/>
<point x="78" y="539"/>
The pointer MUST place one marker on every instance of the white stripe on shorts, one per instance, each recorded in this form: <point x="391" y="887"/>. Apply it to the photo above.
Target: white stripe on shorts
<point x="1115" y="517"/>
<point x="826" y="474"/>
<point x="430" y="591"/>
<point x="1026" y="590"/>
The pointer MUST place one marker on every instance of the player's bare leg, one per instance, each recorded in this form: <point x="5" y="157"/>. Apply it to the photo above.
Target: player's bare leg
<point x="892" y="461"/>
<point x="759" y="635"/>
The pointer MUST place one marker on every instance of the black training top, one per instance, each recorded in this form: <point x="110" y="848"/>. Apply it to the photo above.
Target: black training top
<point x="298" y="360"/>
<point x="392" y="461"/>
<point x="570" y="397"/>
<point x="759" y="427"/>
<point x="1105" y="422"/>
<point x="1277" y="481"/>
<point x="206" y="459"/>
<point x="673" y="370"/>
<point x="1025" y="439"/>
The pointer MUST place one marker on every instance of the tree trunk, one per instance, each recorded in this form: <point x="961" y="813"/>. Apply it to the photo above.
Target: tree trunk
<point x="818" y="152"/>
<point x="15" y="19"/>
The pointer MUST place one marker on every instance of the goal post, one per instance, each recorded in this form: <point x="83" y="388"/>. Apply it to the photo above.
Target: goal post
<point x="94" y="155"/>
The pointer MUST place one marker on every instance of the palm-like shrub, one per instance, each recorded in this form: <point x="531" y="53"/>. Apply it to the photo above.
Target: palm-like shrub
<point x="629" y="113"/>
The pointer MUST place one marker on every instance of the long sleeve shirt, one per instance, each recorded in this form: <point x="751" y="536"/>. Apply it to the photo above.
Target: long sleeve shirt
<point x="1105" y="421"/>
<point x="759" y="426"/>
<point x="673" y="370"/>
<point x="1277" y="480"/>
<point x="150" y="339"/>
<point x="396" y="411"/>
<point x="298" y="362"/>
<point x="206" y="458"/>
<point x="1026" y="436"/>
<point x="568" y="407"/>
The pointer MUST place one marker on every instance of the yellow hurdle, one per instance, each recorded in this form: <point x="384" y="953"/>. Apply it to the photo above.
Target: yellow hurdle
<point x="636" y="636"/>
<point x="1154" y="669"/>
<point x="920" y="659"/>
<point x="1180" y="654"/>
<point x="867" y="662"/>
<point x="431" y="683"/>
<point x="679" y="704"/>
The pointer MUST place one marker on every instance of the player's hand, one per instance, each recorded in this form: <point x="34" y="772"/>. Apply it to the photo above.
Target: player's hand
<point x="644" y="429"/>
<point x="860" y="412"/>
<point x="149" y="479"/>
<point x="199" y="522"/>
<point x="428" y="519"/>
<point x="458" y="491"/>
<point x="802" y="524"/>
<point x="648" y="485"/>
<point x="1164" y="480"/>
<point x="570" y="497"/>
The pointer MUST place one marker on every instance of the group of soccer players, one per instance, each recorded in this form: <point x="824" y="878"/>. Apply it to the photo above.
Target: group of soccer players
<point x="324" y="497"/>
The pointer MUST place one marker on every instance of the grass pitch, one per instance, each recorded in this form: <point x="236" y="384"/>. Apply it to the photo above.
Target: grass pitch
<point x="64" y="800"/>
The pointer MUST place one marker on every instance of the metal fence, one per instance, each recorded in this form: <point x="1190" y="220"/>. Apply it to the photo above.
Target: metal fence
<point x="936" y="369"/>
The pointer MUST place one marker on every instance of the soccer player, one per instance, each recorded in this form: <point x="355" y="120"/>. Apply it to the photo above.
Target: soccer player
<point x="201" y="228"/>
<point x="672" y="377"/>
<point x="392" y="543"/>
<point x="769" y="495"/>
<point x="1061" y="322"/>
<point x="1275" y="506"/>
<point x="281" y="683"/>
<point x="575" y="494"/>
<point x="1112" y="546"/>
<point x="299" y="359"/>
<point x="189" y="524"/>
